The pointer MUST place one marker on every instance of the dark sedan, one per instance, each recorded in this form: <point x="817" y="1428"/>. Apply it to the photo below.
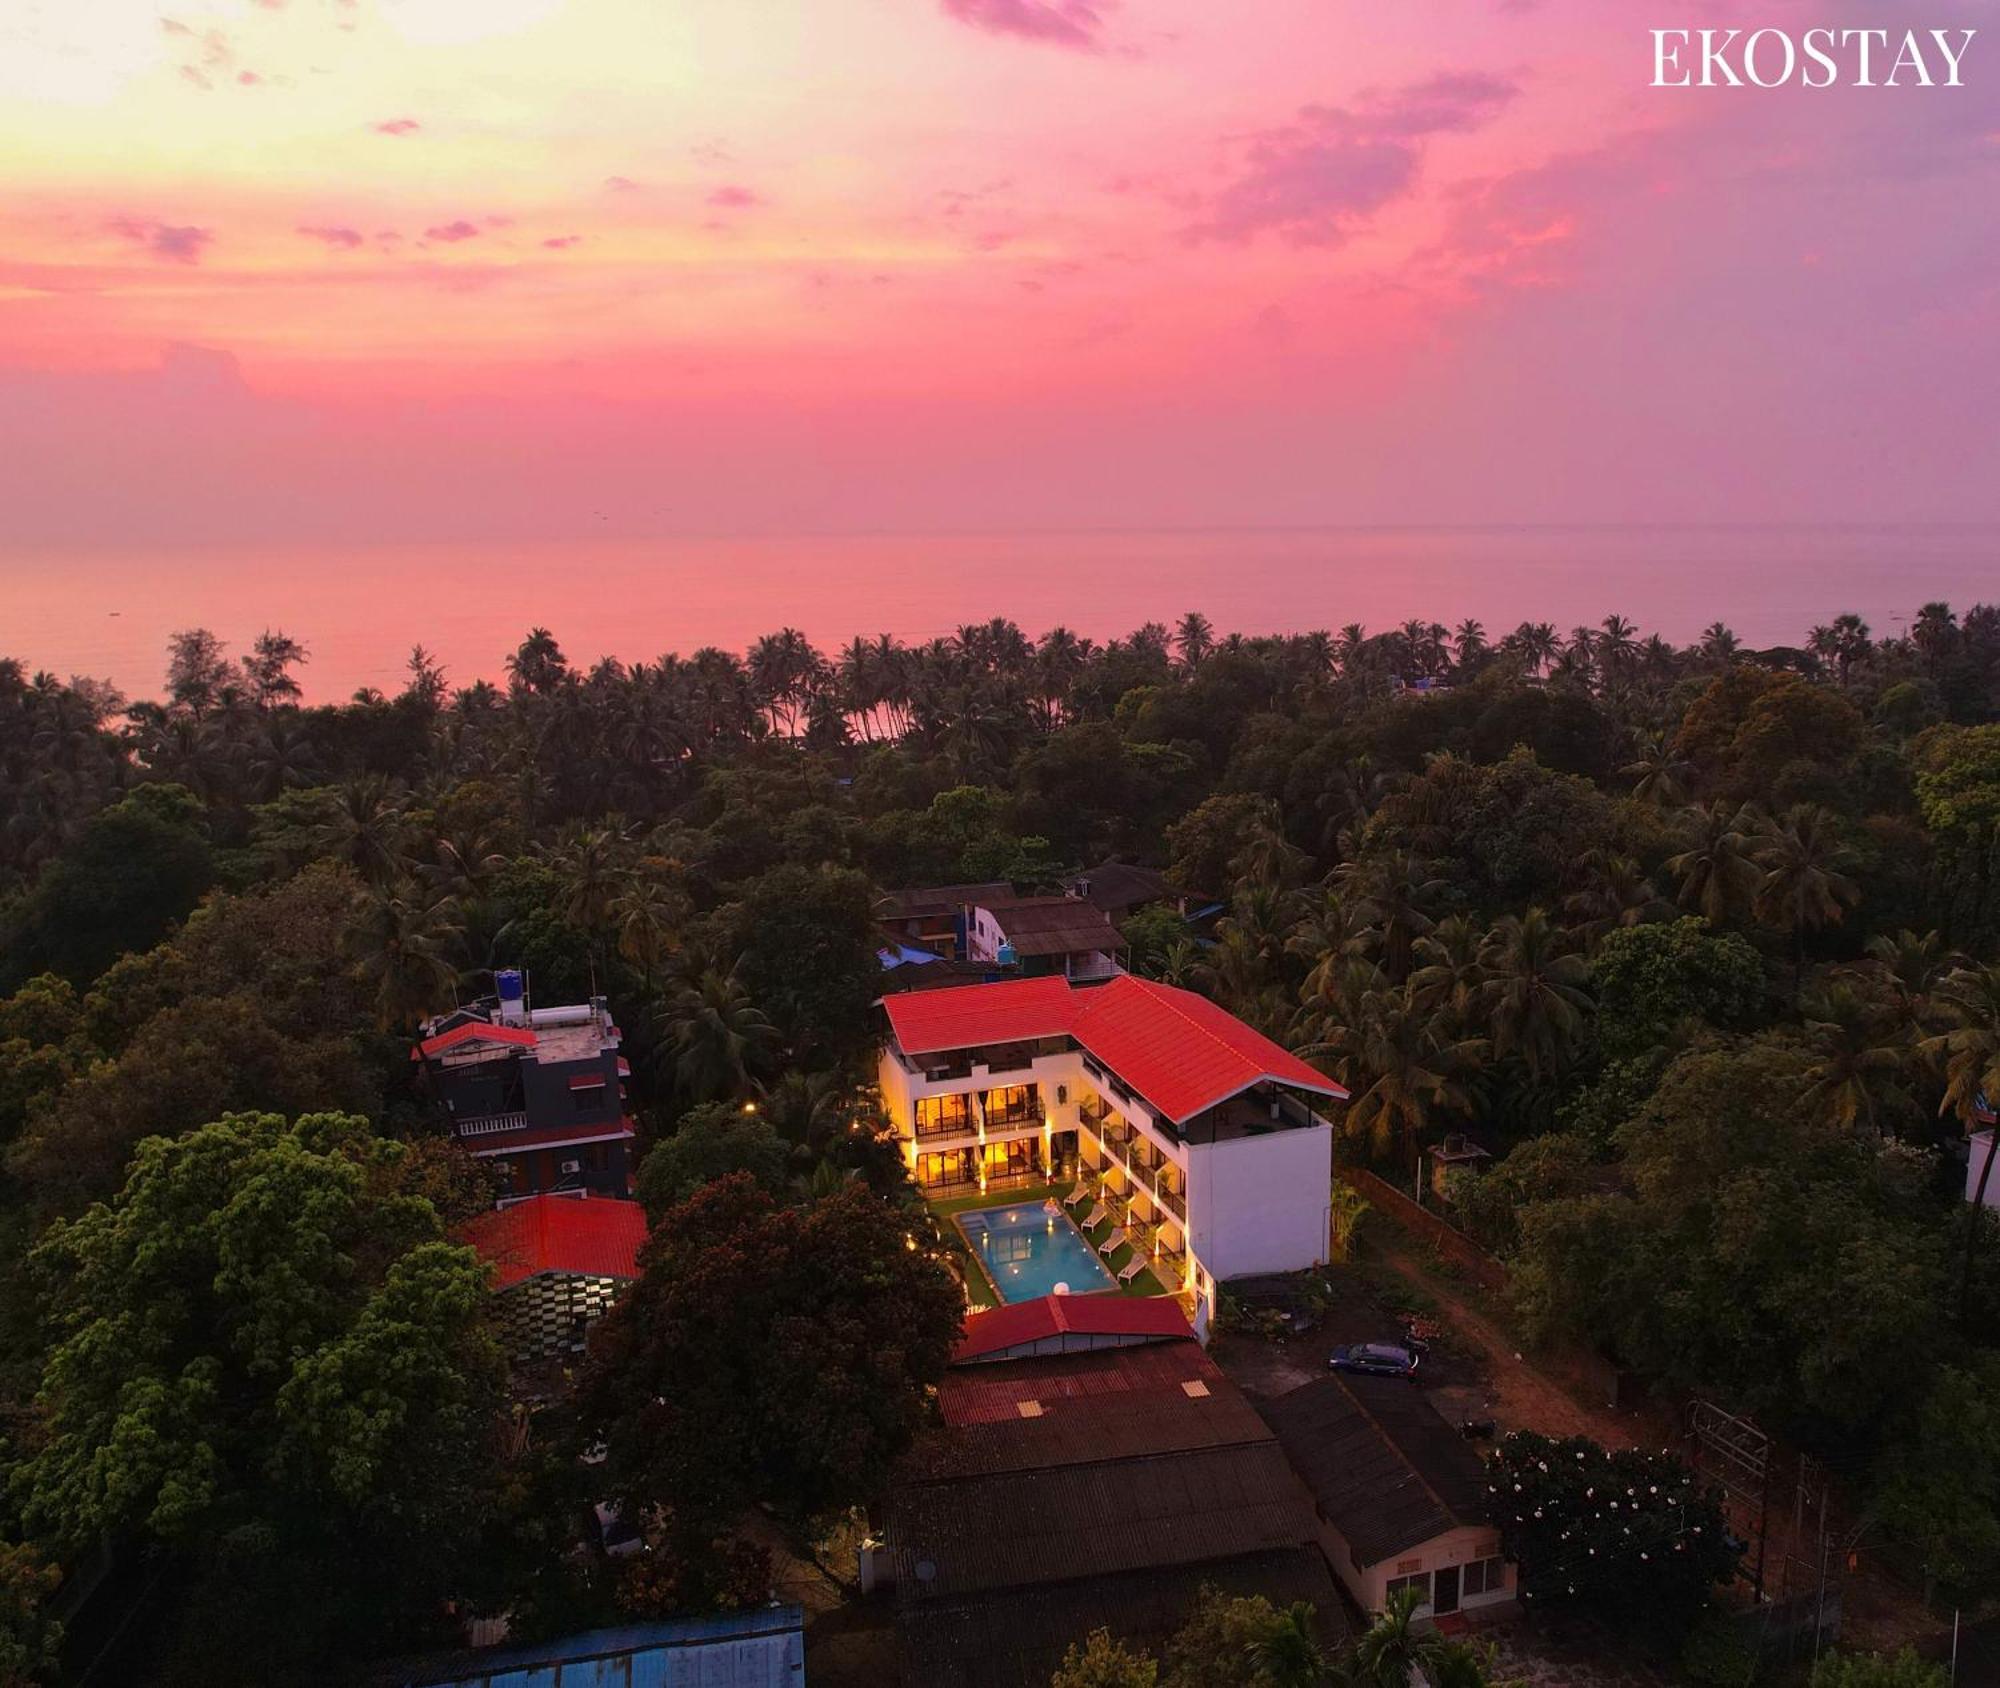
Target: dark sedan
<point x="1376" y="1359"/>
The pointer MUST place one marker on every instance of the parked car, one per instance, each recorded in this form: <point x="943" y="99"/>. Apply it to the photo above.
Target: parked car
<point x="1376" y="1359"/>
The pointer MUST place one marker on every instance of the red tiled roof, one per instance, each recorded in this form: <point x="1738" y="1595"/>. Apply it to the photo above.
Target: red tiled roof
<point x="1176" y="1049"/>
<point x="1106" y="1314"/>
<point x="1011" y="1011"/>
<point x="476" y="1031"/>
<point x="584" y="1236"/>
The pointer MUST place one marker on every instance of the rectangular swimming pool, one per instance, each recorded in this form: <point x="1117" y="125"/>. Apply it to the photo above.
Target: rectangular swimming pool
<point x="1030" y="1249"/>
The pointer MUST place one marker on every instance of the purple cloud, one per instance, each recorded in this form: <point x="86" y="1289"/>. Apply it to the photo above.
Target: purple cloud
<point x="621" y="184"/>
<point x="1057" y="23"/>
<point x="735" y="198"/>
<point x="177" y="243"/>
<point x="333" y="235"/>
<point x="398" y="126"/>
<point x="453" y="231"/>
<point x="1314" y="180"/>
<point x="558" y="243"/>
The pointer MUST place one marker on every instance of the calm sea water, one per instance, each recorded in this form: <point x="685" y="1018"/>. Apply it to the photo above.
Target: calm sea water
<point x="360" y="610"/>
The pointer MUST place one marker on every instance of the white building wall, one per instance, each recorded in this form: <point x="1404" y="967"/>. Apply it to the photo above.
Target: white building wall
<point x="1261" y="1204"/>
<point x="1981" y="1142"/>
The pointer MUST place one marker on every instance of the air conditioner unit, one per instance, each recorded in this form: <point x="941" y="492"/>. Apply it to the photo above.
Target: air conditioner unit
<point x="571" y="1168"/>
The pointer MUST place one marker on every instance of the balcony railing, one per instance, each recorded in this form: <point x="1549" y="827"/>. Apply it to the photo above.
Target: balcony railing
<point x="961" y="1126"/>
<point x="488" y="1125"/>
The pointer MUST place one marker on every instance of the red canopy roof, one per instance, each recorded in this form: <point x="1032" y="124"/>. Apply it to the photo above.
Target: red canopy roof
<point x="584" y="1236"/>
<point x="477" y="1031"/>
<point x="1107" y="1314"/>
<point x="1176" y="1049"/>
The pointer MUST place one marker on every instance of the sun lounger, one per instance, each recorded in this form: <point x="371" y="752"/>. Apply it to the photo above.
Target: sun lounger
<point x="1113" y="1243"/>
<point x="1096" y="1217"/>
<point x="1077" y="1197"/>
<point x="1132" y="1269"/>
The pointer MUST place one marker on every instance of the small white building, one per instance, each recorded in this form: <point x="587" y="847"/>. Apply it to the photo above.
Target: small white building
<point x="1198" y="1131"/>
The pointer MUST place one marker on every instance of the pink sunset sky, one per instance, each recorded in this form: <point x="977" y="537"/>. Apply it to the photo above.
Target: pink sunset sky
<point x="328" y="271"/>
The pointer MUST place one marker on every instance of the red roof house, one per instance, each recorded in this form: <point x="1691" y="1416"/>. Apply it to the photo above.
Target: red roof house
<point x="558" y="1261"/>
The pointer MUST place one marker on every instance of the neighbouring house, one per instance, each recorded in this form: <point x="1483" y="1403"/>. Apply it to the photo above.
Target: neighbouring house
<point x="1401" y="1496"/>
<point x="540" y="1092"/>
<point x="558" y="1261"/>
<point x="1198" y="1133"/>
<point x="1121" y="889"/>
<point x="934" y="917"/>
<point x="761" y="1649"/>
<point x="1098" y="1486"/>
<point x="1045" y="935"/>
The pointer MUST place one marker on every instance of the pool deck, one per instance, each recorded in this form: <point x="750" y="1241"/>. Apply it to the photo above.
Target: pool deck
<point x="980" y="1290"/>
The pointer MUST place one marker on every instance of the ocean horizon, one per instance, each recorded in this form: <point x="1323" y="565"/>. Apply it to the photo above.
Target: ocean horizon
<point x="359" y="609"/>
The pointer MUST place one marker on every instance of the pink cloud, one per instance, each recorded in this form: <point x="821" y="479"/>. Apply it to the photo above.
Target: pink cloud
<point x="558" y="243"/>
<point x="735" y="198"/>
<point x="398" y="126"/>
<point x="1314" y="180"/>
<point x="621" y="184"/>
<point x="1058" y="23"/>
<point x="452" y="231"/>
<point x="179" y="243"/>
<point x="333" y="235"/>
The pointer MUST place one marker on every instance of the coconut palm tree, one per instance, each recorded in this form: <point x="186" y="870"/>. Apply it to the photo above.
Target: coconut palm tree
<point x="1968" y="1051"/>
<point x="1612" y="891"/>
<point x="1861" y="1059"/>
<point x="1287" y="1655"/>
<point x="402" y="943"/>
<point x="646" y="916"/>
<point x="1718" y="645"/>
<point x="1401" y="1065"/>
<point x="1718" y="871"/>
<point x="1658" y="774"/>
<point x="1805" y="884"/>
<point x="719" y="1040"/>
<point x="1534" y="994"/>
<point x="367" y="829"/>
<point x="1194" y="638"/>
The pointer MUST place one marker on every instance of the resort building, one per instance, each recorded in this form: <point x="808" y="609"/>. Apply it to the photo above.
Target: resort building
<point x="558" y="1261"/>
<point x="1401" y="1497"/>
<point x="1100" y="1485"/>
<point x="1193" y="1132"/>
<point x="539" y="1091"/>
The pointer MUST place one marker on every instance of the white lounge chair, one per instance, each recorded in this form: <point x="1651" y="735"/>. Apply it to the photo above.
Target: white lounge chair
<point x="1077" y="1197"/>
<point x="1096" y="1217"/>
<point x="1113" y="1243"/>
<point x="1132" y="1268"/>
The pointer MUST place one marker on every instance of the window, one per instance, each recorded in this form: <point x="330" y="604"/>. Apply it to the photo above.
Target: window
<point x="587" y="1099"/>
<point x="1421" y="1582"/>
<point x="1485" y="1576"/>
<point x="939" y="1116"/>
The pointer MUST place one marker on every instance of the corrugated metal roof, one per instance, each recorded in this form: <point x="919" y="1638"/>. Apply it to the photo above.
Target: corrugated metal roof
<point x="584" y="1236"/>
<point x="1108" y="1314"/>
<point x="1176" y="1049"/>
<point x="762" y="1649"/>
<point x="1019" y="1636"/>
<point x="477" y="1031"/>
<point x="1384" y="1468"/>
<point x="1055" y="926"/>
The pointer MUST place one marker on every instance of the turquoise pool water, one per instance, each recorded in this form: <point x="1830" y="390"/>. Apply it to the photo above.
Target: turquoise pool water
<point x="1028" y="1250"/>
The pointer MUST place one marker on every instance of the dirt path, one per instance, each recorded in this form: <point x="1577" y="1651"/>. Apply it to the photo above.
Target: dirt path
<point x="1515" y="1392"/>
